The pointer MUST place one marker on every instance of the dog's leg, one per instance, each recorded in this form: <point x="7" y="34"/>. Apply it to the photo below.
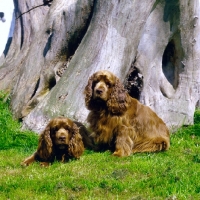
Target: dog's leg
<point x="28" y="160"/>
<point x="124" y="143"/>
<point x="151" y="145"/>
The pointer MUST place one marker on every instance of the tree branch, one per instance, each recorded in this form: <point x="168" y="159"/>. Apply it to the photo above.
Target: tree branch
<point x="46" y="2"/>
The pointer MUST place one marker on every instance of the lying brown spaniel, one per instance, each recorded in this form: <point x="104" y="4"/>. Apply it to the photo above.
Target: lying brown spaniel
<point x="61" y="140"/>
<point x="118" y="121"/>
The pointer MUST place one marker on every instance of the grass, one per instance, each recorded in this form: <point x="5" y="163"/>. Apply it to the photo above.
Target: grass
<point x="169" y="175"/>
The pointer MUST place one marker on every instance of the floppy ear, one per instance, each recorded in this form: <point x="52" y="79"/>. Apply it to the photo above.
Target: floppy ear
<point x="76" y="146"/>
<point x="88" y="92"/>
<point x="45" y="145"/>
<point x="118" y="101"/>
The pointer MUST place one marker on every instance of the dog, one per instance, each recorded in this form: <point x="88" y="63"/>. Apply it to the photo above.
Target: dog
<point x="62" y="139"/>
<point x="119" y="122"/>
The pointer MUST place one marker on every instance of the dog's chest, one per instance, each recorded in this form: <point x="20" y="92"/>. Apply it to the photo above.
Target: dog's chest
<point x="105" y="127"/>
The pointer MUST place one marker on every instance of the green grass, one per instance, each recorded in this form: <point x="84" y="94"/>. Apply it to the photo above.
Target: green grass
<point x="173" y="174"/>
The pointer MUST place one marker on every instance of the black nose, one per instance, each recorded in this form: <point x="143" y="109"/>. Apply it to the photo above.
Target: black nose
<point x="99" y="91"/>
<point x="62" y="138"/>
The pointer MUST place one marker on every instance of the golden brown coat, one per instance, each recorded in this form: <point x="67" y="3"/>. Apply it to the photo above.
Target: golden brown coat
<point x="118" y="121"/>
<point x="61" y="140"/>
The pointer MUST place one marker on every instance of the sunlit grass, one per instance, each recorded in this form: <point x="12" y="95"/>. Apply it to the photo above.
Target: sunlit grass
<point x="173" y="174"/>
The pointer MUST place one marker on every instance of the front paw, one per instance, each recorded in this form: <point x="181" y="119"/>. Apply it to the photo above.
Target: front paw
<point x="28" y="161"/>
<point x="121" y="153"/>
<point x="118" y="153"/>
<point x="25" y="164"/>
<point x="44" y="164"/>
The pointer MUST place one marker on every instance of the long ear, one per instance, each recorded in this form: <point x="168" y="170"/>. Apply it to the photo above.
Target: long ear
<point x="88" y="92"/>
<point x="45" y="145"/>
<point x="118" y="101"/>
<point x="76" y="146"/>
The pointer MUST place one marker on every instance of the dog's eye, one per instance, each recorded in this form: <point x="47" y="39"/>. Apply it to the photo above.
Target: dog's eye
<point x="66" y="128"/>
<point x="94" y="83"/>
<point x="54" y="129"/>
<point x="108" y="85"/>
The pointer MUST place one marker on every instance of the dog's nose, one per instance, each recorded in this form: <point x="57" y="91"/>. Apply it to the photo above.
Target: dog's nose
<point x="99" y="91"/>
<point x="62" y="138"/>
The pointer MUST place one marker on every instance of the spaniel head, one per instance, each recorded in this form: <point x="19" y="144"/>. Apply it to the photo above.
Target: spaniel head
<point x="60" y="135"/>
<point x="105" y="91"/>
<point x="61" y="131"/>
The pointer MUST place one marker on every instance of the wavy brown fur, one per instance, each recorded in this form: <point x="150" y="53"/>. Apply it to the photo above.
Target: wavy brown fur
<point x="61" y="140"/>
<point x="120" y="122"/>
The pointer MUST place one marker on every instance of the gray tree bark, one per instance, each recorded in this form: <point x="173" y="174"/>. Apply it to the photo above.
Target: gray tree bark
<point x="152" y="46"/>
<point x="170" y="61"/>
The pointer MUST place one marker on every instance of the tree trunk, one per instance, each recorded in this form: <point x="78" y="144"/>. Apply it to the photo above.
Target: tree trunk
<point x="152" y="46"/>
<point x="168" y="57"/>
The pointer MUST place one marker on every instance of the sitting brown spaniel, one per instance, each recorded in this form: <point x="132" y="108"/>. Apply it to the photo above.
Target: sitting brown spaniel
<point x="61" y="140"/>
<point x="119" y="122"/>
